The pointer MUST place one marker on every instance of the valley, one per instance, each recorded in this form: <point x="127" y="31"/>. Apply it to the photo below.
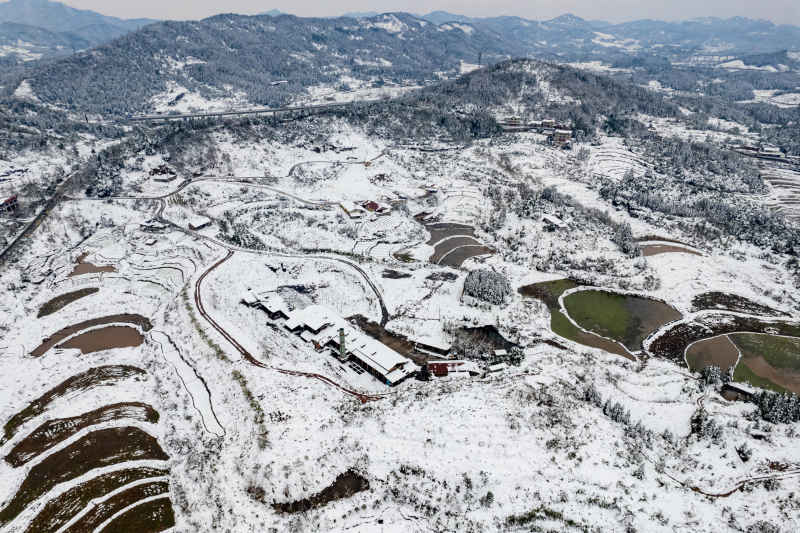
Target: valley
<point x="520" y="296"/>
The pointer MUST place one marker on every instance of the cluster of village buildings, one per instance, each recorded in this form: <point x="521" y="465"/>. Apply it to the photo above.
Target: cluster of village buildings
<point x="361" y="210"/>
<point x="332" y="335"/>
<point x="559" y="135"/>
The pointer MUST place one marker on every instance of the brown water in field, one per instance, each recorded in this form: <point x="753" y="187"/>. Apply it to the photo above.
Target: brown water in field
<point x="88" y="268"/>
<point x="650" y="250"/>
<point x="107" y="338"/>
<point x="60" y="335"/>
<point x="82" y="267"/>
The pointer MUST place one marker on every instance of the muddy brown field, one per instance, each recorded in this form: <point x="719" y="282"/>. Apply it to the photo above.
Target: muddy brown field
<point x="151" y="517"/>
<point x="92" y="378"/>
<point x="457" y="257"/>
<point x="719" y="351"/>
<point x="82" y="267"/>
<point x="105" y="510"/>
<point x="59" y="336"/>
<point x="98" y="449"/>
<point x="54" y="431"/>
<point x="441" y="231"/>
<point x="60" y="302"/>
<point x="107" y="338"/>
<point x="62" y="509"/>
<point x="649" y="250"/>
<point x="647" y="238"/>
<point x="447" y="246"/>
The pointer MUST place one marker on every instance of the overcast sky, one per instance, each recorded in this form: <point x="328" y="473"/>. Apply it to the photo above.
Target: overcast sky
<point x="779" y="11"/>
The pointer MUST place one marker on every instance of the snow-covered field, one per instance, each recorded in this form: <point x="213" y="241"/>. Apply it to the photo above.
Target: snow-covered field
<point x="246" y="416"/>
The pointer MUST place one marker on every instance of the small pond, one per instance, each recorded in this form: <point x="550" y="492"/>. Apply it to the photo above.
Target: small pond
<point x="624" y="318"/>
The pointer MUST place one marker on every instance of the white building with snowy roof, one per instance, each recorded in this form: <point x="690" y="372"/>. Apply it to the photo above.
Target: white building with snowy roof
<point x="325" y="328"/>
<point x="197" y="223"/>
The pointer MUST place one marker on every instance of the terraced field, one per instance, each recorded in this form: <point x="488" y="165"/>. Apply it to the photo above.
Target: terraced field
<point x="785" y="194"/>
<point x="69" y="331"/>
<point x="114" y="488"/>
<point x="614" y="162"/>
<point x="454" y="243"/>
<point x="60" y="302"/>
<point x="104" y="376"/>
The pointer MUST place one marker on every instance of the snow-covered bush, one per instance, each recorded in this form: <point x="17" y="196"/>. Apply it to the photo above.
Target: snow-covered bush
<point x="488" y="286"/>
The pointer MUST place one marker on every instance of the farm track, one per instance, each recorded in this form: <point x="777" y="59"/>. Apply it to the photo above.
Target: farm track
<point x="250" y="358"/>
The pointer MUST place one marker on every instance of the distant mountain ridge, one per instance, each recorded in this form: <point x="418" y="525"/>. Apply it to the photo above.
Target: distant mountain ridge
<point x="572" y="36"/>
<point x="45" y="28"/>
<point x="236" y="55"/>
<point x="228" y="54"/>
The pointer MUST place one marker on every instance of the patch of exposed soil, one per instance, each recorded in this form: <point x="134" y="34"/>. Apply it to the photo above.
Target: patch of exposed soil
<point x="107" y="338"/>
<point x="649" y="250"/>
<point x="59" y="336"/>
<point x="719" y="351"/>
<point x="732" y="302"/>
<point x="62" y="509"/>
<point x="403" y="257"/>
<point x="98" y="449"/>
<point x="390" y="273"/>
<point x="443" y="276"/>
<point x="54" y="431"/>
<point x="150" y="517"/>
<point x="101" y="512"/>
<point x="95" y="377"/>
<point x="345" y="486"/>
<point x="60" y="302"/>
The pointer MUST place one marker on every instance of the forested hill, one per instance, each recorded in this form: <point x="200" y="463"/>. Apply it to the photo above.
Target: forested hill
<point x="538" y="89"/>
<point x="229" y="53"/>
<point x="33" y="29"/>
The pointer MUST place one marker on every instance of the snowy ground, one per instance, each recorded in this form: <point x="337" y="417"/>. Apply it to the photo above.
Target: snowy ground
<point x="521" y="449"/>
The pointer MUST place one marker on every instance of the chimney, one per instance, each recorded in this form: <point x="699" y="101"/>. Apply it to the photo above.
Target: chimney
<point x="342" y="347"/>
